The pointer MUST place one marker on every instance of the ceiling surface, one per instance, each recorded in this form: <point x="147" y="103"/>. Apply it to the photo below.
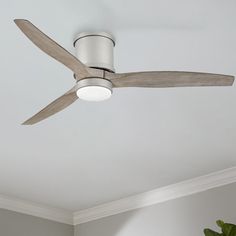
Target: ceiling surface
<point x="140" y="139"/>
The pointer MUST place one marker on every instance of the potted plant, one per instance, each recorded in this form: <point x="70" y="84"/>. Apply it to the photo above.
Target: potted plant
<point x="226" y="228"/>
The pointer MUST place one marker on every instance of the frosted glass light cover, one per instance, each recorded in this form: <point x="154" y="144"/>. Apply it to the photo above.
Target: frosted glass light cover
<point x="94" y="93"/>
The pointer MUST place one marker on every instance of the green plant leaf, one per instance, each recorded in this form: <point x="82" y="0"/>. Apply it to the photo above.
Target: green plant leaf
<point x="209" y="232"/>
<point x="233" y="231"/>
<point x="229" y="230"/>
<point x="220" y="223"/>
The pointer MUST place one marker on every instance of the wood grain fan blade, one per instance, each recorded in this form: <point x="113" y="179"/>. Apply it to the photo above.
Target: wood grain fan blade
<point x="54" y="107"/>
<point x="51" y="48"/>
<point x="162" y="79"/>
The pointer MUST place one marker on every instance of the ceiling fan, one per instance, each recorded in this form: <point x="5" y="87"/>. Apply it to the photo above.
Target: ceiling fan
<point x="94" y="72"/>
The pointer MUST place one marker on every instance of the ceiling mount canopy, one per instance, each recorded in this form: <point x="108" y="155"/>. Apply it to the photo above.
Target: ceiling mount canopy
<point x="96" y="50"/>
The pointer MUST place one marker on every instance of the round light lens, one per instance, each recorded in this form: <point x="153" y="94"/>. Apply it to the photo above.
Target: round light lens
<point x="94" y="93"/>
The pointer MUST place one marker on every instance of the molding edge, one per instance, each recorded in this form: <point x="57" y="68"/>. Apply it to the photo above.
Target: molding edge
<point x="34" y="209"/>
<point x="163" y="194"/>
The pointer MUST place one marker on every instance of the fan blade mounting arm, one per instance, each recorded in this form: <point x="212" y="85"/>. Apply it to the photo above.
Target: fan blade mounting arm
<point x="162" y="79"/>
<point x="54" y="107"/>
<point x="51" y="48"/>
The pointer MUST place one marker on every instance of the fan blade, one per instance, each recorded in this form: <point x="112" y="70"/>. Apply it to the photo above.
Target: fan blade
<point x="162" y="79"/>
<point x="54" y="107"/>
<point x="51" y="48"/>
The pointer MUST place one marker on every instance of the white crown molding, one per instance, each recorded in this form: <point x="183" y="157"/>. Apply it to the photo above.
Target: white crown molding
<point x="34" y="209"/>
<point x="159" y="195"/>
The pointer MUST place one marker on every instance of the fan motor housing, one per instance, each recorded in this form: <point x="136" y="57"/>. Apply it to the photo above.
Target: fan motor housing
<point x="95" y="50"/>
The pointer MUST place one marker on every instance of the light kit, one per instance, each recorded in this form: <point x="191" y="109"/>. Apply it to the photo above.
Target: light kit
<point x="94" y="89"/>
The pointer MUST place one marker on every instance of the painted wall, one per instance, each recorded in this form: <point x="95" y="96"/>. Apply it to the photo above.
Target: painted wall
<point x="16" y="224"/>
<point x="186" y="216"/>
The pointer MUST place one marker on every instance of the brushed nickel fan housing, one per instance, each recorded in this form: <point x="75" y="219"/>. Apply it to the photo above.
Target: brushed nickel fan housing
<point x="96" y="50"/>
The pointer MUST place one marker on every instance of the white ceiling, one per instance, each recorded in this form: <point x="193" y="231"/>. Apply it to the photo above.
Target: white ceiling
<point x="138" y="140"/>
